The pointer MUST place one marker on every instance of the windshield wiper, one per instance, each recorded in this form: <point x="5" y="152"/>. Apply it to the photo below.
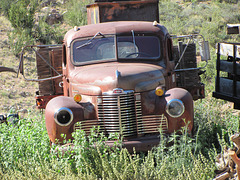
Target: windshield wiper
<point x="90" y="41"/>
<point x="135" y="46"/>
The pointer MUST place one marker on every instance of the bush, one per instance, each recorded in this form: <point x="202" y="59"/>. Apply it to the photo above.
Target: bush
<point x="207" y="19"/>
<point x="18" y="40"/>
<point x="21" y="14"/>
<point x="76" y="12"/>
<point x="47" y="34"/>
<point x="26" y="31"/>
<point x="4" y="6"/>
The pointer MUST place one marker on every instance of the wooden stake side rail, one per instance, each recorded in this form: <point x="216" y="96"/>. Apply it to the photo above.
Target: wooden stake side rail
<point x="50" y="88"/>
<point x="54" y="57"/>
<point x="233" y="28"/>
<point x="227" y="85"/>
<point x="227" y="49"/>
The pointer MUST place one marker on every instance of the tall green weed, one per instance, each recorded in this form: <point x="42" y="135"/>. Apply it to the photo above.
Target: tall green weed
<point x="26" y="154"/>
<point x="21" y="14"/>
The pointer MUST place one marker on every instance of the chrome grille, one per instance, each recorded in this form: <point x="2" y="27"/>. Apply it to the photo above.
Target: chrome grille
<point x="117" y="113"/>
<point x="122" y="113"/>
<point x="87" y="125"/>
<point x="152" y="124"/>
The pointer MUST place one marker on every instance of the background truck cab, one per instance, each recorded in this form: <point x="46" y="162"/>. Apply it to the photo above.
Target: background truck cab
<point x="122" y="73"/>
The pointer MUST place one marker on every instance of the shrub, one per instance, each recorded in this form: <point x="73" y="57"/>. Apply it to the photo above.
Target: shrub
<point x="26" y="32"/>
<point x="47" y="34"/>
<point x="18" y="40"/>
<point x="76" y="14"/>
<point x="21" y="14"/>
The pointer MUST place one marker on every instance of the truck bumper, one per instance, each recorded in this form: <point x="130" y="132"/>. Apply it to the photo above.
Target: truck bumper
<point x="143" y="144"/>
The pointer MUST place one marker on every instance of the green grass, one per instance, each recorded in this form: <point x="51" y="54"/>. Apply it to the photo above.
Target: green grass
<point x="25" y="154"/>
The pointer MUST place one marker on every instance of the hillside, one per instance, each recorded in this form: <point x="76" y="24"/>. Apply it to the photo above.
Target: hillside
<point x="16" y="94"/>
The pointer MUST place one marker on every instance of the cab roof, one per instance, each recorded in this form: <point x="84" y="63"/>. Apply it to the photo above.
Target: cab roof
<point x="119" y="27"/>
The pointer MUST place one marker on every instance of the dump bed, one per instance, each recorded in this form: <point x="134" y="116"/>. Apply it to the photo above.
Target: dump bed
<point x="104" y="11"/>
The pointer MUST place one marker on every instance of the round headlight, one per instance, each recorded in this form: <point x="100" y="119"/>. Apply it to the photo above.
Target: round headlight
<point x="63" y="116"/>
<point x="175" y="108"/>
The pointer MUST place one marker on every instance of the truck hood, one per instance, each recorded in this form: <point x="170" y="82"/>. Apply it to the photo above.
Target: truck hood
<point x="99" y="78"/>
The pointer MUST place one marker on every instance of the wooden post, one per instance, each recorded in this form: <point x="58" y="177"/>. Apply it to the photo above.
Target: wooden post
<point x="237" y="161"/>
<point x="223" y="176"/>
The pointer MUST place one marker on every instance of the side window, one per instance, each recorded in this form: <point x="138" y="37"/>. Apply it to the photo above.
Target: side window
<point x="64" y="55"/>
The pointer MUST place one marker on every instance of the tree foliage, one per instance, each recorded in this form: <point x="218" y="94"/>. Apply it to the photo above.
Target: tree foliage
<point x="21" y="14"/>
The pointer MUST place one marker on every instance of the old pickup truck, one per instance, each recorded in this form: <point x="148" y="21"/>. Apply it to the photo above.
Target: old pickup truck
<point x="121" y="73"/>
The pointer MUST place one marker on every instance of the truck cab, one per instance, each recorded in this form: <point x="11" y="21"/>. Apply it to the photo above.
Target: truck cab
<point x="121" y="76"/>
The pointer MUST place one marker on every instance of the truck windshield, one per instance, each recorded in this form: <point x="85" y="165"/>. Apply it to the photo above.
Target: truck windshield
<point x="138" y="47"/>
<point x="97" y="49"/>
<point x="103" y="48"/>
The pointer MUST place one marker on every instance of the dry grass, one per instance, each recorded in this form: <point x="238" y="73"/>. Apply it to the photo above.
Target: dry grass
<point x="15" y="93"/>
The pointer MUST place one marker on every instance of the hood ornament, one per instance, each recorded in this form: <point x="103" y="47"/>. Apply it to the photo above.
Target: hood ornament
<point x="118" y="74"/>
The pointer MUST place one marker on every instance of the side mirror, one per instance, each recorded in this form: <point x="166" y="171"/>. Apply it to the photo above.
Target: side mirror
<point x="49" y="67"/>
<point x="204" y="51"/>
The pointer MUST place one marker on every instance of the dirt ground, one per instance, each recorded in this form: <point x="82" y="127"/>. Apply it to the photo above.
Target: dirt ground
<point x="16" y="94"/>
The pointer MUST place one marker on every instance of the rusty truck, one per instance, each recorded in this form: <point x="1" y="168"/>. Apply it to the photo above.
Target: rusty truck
<point x="121" y="73"/>
<point x="227" y="84"/>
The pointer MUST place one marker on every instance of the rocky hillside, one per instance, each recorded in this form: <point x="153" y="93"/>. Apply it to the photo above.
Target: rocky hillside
<point x="16" y="94"/>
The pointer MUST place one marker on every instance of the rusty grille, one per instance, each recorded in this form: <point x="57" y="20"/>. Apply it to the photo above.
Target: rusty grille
<point x="152" y="123"/>
<point x="87" y="125"/>
<point x="117" y="112"/>
<point x="122" y="113"/>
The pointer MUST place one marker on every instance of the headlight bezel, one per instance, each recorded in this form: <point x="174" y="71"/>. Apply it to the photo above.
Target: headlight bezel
<point x="180" y="105"/>
<point x="69" y="111"/>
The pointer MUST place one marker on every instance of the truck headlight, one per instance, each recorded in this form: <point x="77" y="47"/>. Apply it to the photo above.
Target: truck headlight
<point x="175" y="108"/>
<point x="63" y="116"/>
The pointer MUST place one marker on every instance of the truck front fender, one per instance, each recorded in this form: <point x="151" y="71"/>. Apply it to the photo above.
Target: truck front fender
<point x="61" y="114"/>
<point x="180" y="115"/>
